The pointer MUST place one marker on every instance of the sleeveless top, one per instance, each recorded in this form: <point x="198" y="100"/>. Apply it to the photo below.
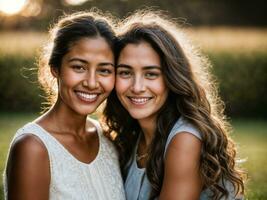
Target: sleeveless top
<point x="137" y="186"/>
<point x="72" y="179"/>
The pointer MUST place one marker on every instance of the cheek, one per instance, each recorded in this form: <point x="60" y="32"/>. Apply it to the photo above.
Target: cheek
<point x="69" y="79"/>
<point x="121" y="85"/>
<point x="161" y="89"/>
<point x="108" y="83"/>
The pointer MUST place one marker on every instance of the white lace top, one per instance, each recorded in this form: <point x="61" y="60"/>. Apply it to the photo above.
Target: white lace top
<point x="72" y="179"/>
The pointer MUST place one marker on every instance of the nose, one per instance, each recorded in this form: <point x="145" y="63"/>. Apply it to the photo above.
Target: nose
<point x="138" y="85"/>
<point x="91" y="81"/>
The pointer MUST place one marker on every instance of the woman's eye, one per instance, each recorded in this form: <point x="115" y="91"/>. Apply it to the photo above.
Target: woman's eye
<point x="105" y="71"/>
<point x="151" y="75"/>
<point x="78" y="68"/>
<point x="124" y="74"/>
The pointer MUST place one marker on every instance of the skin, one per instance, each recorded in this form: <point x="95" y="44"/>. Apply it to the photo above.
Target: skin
<point x="85" y="79"/>
<point x="140" y="85"/>
<point x="182" y="180"/>
<point x="139" y="75"/>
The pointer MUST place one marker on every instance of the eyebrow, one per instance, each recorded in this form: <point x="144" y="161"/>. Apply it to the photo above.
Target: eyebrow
<point x="106" y="63"/>
<point x="85" y="62"/>
<point x="145" y="67"/>
<point x="77" y="59"/>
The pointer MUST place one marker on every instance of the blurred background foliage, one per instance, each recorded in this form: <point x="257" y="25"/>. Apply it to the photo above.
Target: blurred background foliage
<point x="240" y="70"/>
<point x="231" y="33"/>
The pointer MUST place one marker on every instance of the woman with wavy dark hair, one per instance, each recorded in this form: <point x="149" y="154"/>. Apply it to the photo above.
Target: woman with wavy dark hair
<point x="165" y="116"/>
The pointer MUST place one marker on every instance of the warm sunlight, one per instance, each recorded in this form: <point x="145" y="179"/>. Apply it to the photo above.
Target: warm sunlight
<point x="11" y="7"/>
<point x="75" y="2"/>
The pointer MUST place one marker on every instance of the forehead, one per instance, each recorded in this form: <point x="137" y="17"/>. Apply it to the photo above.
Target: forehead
<point x="90" y="45"/>
<point x="141" y="54"/>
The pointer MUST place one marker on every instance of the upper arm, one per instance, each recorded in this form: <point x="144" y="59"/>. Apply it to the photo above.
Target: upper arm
<point x="27" y="173"/>
<point x="181" y="174"/>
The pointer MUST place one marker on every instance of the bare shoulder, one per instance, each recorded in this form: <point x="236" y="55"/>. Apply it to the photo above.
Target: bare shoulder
<point x="27" y="168"/>
<point x="183" y="151"/>
<point x="185" y="141"/>
<point x="26" y="148"/>
<point x="181" y="172"/>
<point x="28" y="144"/>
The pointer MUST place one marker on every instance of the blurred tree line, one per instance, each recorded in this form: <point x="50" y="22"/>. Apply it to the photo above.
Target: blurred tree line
<point x="40" y="13"/>
<point x="242" y="75"/>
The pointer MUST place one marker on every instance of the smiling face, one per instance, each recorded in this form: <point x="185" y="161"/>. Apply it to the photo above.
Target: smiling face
<point x="86" y="76"/>
<point x="140" y="84"/>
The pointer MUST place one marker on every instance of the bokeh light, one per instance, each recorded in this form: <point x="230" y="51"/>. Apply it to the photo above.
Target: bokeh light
<point x="75" y="2"/>
<point x="12" y="7"/>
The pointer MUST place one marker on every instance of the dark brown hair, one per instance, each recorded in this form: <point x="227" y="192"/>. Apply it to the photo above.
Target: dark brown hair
<point x="68" y="30"/>
<point x="192" y="94"/>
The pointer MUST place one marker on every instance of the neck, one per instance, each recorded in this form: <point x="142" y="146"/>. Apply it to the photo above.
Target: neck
<point x="148" y="128"/>
<point x="62" y="119"/>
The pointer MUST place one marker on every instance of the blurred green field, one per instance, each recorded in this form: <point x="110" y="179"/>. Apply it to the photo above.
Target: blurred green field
<point x="250" y="135"/>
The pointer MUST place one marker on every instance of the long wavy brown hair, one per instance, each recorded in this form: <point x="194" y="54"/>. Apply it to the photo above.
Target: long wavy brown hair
<point x="193" y="95"/>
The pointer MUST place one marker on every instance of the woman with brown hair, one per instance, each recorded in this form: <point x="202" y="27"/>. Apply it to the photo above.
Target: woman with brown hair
<point x="168" y="121"/>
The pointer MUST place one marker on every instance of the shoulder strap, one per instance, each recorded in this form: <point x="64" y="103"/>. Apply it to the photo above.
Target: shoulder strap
<point x="32" y="129"/>
<point x="96" y="124"/>
<point x="181" y="125"/>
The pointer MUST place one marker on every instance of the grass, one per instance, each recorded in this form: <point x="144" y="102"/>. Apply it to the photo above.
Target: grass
<point x="252" y="141"/>
<point x="250" y="135"/>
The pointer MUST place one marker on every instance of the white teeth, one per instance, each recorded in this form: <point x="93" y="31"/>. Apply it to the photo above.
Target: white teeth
<point x="86" y="96"/>
<point x="141" y="100"/>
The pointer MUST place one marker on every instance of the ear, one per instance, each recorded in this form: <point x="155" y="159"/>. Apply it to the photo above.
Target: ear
<point x="54" y="71"/>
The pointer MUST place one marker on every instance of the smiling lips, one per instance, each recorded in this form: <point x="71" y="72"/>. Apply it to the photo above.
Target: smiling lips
<point x="139" y="100"/>
<point x="87" y="97"/>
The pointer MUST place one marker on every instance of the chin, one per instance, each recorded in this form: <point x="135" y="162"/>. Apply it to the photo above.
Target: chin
<point x="82" y="110"/>
<point x="138" y="115"/>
